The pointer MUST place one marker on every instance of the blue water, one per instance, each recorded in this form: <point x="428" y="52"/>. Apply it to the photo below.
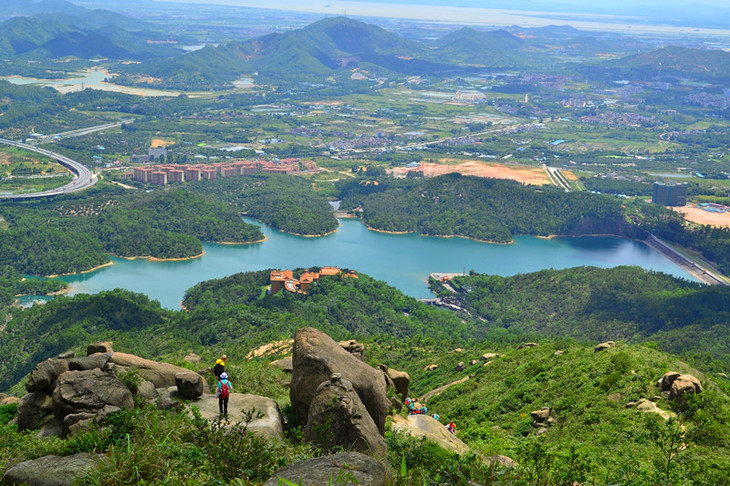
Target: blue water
<point x="404" y="261"/>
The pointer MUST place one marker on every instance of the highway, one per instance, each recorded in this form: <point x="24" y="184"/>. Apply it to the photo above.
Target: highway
<point x="80" y="131"/>
<point x="83" y="178"/>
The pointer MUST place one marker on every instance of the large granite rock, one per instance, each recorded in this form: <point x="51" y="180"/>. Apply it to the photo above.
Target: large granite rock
<point x="96" y="360"/>
<point x="337" y="417"/>
<point x="431" y="429"/>
<point x="89" y="391"/>
<point x="267" y="418"/>
<point x="284" y="364"/>
<point x="161" y="374"/>
<point x="316" y="357"/>
<point x="679" y="386"/>
<point x="44" y="375"/>
<point x="50" y="470"/>
<point x="100" y="347"/>
<point x="325" y="470"/>
<point x="189" y="385"/>
<point x="354" y="348"/>
<point x="401" y="380"/>
<point x="604" y="346"/>
<point x="32" y="408"/>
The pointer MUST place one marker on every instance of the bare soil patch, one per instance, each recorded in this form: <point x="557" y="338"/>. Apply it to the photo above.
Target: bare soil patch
<point x="697" y="215"/>
<point x="526" y="175"/>
<point x="158" y="142"/>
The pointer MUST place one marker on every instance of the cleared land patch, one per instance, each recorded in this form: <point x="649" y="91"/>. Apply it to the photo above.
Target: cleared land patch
<point x="697" y="215"/>
<point x="526" y="175"/>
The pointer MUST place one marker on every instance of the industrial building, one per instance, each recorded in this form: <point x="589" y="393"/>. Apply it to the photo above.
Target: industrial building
<point x="669" y="194"/>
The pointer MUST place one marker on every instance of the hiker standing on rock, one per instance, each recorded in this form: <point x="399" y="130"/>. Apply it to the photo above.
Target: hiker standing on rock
<point x="220" y="366"/>
<point x="222" y="391"/>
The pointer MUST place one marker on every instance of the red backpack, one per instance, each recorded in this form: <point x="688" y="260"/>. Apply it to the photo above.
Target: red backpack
<point x="224" y="389"/>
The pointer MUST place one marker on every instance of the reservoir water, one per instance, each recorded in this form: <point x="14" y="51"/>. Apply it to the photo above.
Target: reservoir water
<point x="404" y="261"/>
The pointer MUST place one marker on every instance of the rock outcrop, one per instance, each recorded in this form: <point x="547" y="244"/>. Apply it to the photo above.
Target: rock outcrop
<point x="44" y="375"/>
<point x="84" y="395"/>
<point x="100" y="347"/>
<point x="161" y="374"/>
<point x="50" y="470"/>
<point x="679" y="386"/>
<point x="604" y="346"/>
<point x="189" y="385"/>
<point x="284" y="364"/>
<point x="430" y="428"/>
<point x="337" y="417"/>
<point x="401" y="380"/>
<point x="316" y="357"/>
<point x="354" y="348"/>
<point x="266" y="418"/>
<point x="541" y="418"/>
<point x="323" y="470"/>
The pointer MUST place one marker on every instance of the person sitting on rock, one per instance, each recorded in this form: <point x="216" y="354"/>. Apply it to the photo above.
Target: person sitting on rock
<point x="451" y="427"/>
<point x="436" y="416"/>
<point x="220" y="366"/>
<point x="222" y="391"/>
<point x="410" y="404"/>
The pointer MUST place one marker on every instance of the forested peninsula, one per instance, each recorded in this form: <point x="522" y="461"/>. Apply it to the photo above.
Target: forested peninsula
<point x="484" y="209"/>
<point x="78" y="233"/>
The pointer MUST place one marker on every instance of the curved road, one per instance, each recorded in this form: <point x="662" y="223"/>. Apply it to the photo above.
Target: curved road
<point x="83" y="178"/>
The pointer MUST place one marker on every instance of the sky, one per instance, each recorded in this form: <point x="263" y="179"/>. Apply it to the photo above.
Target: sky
<point x="711" y="17"/>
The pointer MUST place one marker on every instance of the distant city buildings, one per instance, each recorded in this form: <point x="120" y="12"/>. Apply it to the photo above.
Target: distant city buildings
<point x="176" y="174"/>
<point x="284" y="279"/>
<point x="669" y="194"/>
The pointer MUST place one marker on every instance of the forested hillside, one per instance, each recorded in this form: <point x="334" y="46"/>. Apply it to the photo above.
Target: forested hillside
<point x="485" y="209"/>
<point x="77" y="233"/>
<point x="596" y="304"/>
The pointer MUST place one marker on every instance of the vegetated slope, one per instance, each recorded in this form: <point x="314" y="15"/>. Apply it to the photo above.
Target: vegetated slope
<point x="77" y="233"/>
<point x="311" y="53"/>
<point x="676" y="62"/>
<point x="44" y="331"/>
<point x="98" y="33"/>
<point x="285" y="203"/>
<point x="232" y="313"/>
<point x="485" y="209"/>
<point x="497" y="48"/>
<point x="597" y="304"/>
<point x="596" y="436"/>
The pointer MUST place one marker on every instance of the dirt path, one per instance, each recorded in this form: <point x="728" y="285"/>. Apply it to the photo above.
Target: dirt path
<point x="440" y="390"/>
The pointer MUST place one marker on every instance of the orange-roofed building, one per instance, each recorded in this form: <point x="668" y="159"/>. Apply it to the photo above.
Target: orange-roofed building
<point x="279" y="278"/>
<point x="329" y="271"/>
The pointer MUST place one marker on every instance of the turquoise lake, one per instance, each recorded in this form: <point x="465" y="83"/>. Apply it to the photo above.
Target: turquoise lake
<point x="404" y="261"/>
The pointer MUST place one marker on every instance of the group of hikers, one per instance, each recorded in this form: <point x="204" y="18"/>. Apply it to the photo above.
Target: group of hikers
<point x="415" y="408"/>
<point x="223" y="388"/>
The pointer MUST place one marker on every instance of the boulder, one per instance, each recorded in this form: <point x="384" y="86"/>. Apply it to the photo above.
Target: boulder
<point x="337" y="417"/>
<point x="96" y="360"/>
<point x="89" y="391"/>
<point x="527" y="345"/>
<point x="460" y="366"/>
<point x="473" y="362"/>
<point x="316" y="356"/>
<point x="401" y="380"/>
<point x="684" y="385"/>
<point x="66" y="355"/>
<point x="501" y="461"/>
<point x="161" y="374"/>
<point x="100" y="347"/>
<point x="146" y="389"/>
<point x="284" y="364"/>
<point x="430" y="428"/>
<point x="189" y="385"/>
<point x="32" y="408"/>
<point x="665" y="382"/>
<point x="50" y="426"/>
<point x="558" y="352"/>
<point x="354" y="348"/>
<point x="266" y="418"/>
<point x="44" y="375"/>
<point x="324" y="470"/>
<point x="488" y="356"/>
<point x="51" y="470"/>
<point x="604" y="346"/>
<point x="192" y="358"/>
<point x="540" y="417"/>
<point x="431" y="367"/>
<point x="648" y="406"/>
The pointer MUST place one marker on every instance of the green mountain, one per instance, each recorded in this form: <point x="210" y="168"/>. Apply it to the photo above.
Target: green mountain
<point x="12" y="8"/>
<point x="675" y="62"/>
<point x="497" y="48"/>
<point x="314" y="52"/>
